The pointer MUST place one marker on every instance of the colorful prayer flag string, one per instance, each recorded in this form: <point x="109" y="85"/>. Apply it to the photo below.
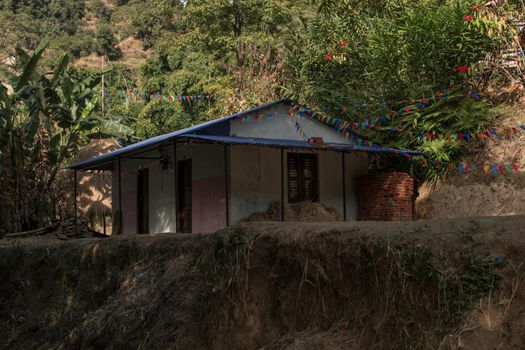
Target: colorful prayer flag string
<point x="471" y="136"/>
<point x="149" y="97"/>
<point x="464" y="167"/>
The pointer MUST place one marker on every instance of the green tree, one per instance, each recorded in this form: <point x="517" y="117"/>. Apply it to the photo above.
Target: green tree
<point x="107" y="43"/>
<point x="160" y="117"/>
<point x="354" y="59"/>
<point x="43" y="123"/>
<point x="152" y="18"/>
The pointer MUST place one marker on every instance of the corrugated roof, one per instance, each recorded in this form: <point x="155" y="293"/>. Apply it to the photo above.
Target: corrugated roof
<point x="96" y="162"/>
<point x="104" y="162"/>
<point x="296" y="144"/>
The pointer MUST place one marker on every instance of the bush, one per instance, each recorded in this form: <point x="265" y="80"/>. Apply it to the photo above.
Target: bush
<point x="353" y="60"/>
<point x="160" y="117"/>
<point x="107" y="43"/>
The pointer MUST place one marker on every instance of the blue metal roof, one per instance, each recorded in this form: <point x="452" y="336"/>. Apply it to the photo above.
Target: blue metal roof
<point x="296" y="144"/>
<point x="96" y="162"/>
<point x="216" y="131"/>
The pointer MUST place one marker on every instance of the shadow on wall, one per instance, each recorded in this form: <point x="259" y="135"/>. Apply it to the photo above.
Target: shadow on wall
<point x="94" y="189"/>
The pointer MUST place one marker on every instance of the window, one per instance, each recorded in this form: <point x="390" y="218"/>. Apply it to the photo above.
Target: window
<point x="302" y="177"/>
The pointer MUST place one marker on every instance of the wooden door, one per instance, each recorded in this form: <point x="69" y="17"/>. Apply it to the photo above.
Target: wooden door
<point x="184" y="192"/>
<point x="143" y="201"/>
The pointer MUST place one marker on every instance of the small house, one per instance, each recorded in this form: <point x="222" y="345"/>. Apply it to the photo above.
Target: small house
<point x="214" y="174"/>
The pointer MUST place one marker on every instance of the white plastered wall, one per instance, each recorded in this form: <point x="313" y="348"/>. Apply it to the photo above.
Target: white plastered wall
<point x="275" y="124"/>
<point x="161" y="191"/>
<point x="256" y="180"/>
<point x="208" y="187"/>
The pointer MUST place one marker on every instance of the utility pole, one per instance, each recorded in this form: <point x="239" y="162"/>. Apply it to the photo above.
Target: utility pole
<point x="103" y="92"/>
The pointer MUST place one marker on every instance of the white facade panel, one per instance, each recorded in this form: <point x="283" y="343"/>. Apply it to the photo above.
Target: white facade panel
<point x="275" y="124"/>
<point x="161" y="192"/>
<point x="256" y="180"/>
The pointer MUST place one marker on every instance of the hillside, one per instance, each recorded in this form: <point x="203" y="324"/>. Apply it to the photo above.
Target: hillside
<point x="454" y="284"/>
<point x="480" y="194"/>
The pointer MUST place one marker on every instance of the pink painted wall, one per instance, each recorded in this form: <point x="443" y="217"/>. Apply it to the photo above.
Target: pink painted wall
<point x="129" y="218"/>
<point x="208" y="204"/>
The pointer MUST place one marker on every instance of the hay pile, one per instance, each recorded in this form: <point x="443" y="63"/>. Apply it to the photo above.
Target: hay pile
<point x="94" y="189"/>
<point x="301" y="212"/>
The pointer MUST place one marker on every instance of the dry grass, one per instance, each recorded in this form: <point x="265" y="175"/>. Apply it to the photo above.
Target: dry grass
<point x="269" y="285"/>
<point x="133" y="55"/>
<point x="94" y="189"/>
<point x="302" y="212"/>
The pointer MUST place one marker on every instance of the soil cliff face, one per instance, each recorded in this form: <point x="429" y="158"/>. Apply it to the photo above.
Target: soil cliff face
<point x="450" y="284"/>
<point x="480" y="194"/>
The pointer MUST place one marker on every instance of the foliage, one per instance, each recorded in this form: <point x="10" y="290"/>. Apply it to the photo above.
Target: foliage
<point x="457" y="290"/>
<point x="107" y="43"/>
<point x="101" y="10"/>
<point x="160" y="117"/>
<point x="43" y="123"/>
<point x="388" y="57"/>
<point x="363" y="55"/>
<point x="152" y="19"/>
<point x="26" y="22"/>
<point x="227" y="48"/>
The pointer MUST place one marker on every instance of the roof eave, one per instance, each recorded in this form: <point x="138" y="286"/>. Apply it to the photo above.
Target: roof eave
<point x="158" y="140"/>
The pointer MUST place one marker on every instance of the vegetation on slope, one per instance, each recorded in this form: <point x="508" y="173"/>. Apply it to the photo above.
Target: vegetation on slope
<point x="347" y="59"/>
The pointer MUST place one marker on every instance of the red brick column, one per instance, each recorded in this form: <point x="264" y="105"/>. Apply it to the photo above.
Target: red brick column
<point x="385" y="196"/>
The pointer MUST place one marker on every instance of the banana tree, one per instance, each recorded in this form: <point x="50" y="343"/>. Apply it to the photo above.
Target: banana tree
<point x="44" y="121"/>
<point x="70" y="106"/>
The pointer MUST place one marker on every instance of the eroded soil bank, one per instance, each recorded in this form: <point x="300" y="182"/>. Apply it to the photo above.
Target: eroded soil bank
<point x="423" y="285"/>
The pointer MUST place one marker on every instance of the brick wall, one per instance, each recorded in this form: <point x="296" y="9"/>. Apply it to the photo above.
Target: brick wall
<point x="385" y="196"/>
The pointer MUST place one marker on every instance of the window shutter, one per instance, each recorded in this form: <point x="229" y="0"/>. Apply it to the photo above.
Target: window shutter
<point x="293" y="178"/>
<point x="309" y="179"/>
<point x="302" y="177"/>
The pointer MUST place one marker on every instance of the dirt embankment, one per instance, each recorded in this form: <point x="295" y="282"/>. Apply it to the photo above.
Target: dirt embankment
<point x="455" y="284"/>
<point x="480" y="194"/>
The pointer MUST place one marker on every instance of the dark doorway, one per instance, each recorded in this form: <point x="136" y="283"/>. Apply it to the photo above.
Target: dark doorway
<point x="143" y="201"/>
<point x="184" y="196"/>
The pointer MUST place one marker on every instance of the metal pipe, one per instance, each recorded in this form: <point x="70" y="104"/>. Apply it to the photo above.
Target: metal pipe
<point x="75" y="202"/>
<point x="344" y="184"/>
<point x="226" y="185"/>
<point x="282" y="184"/>
<point x="175" y="169"/>
<point x="121" y="212"/>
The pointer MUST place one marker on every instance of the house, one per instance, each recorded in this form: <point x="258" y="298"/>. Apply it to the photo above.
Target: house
<point x="211" y="175"/>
